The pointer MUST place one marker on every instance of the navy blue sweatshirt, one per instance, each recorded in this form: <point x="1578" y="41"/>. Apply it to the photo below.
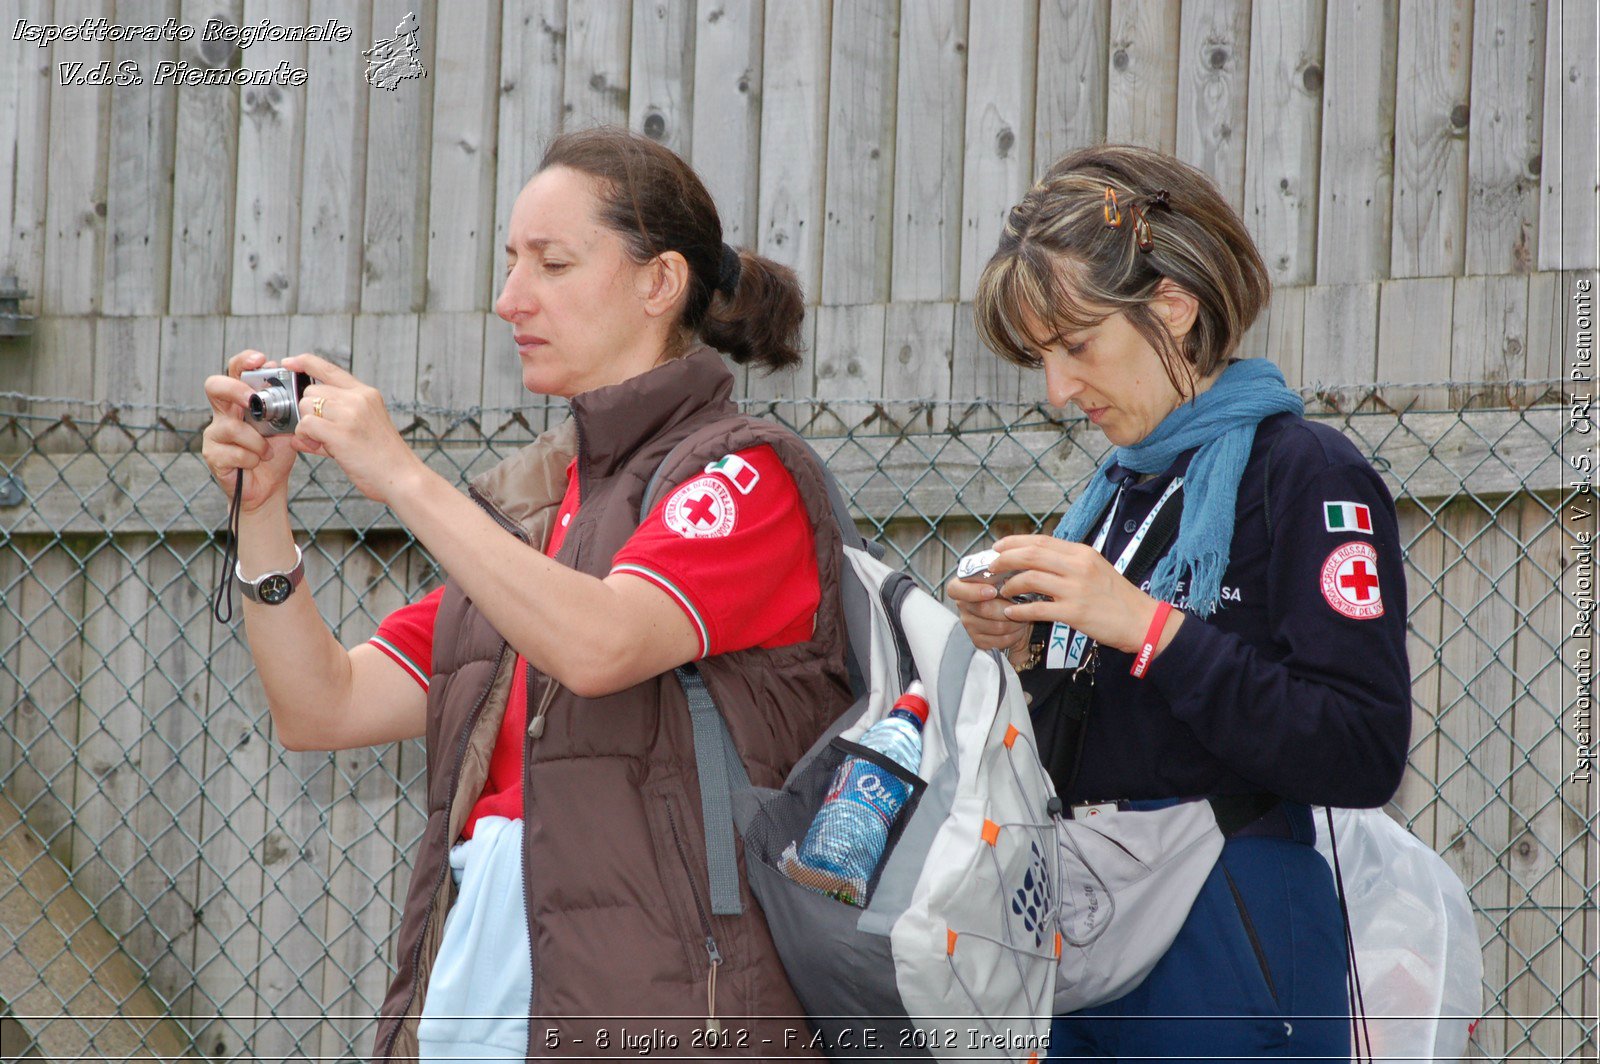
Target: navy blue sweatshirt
<point x="1298" y="685"/>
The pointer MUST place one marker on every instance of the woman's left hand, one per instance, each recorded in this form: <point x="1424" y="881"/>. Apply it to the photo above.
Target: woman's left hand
<point x="1084" y="590"/>
<point x="347" y="421"/>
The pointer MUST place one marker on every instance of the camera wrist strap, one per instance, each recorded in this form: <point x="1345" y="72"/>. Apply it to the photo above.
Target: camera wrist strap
<point x="223" y="600"/>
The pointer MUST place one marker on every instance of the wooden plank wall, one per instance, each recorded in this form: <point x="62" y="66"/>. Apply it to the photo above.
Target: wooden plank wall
<point x="874" y="146"/>
<point x="1420" y="177"/>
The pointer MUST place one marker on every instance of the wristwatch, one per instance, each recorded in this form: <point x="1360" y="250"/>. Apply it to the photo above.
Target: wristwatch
<point x="269" y="589"/>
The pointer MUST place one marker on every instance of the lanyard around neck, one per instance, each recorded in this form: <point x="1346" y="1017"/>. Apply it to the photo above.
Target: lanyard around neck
<point x="1126" y="557"/>
<point x="1066" y="647"/>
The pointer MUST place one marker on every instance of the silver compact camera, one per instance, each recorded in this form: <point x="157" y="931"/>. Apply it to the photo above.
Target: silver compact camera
<point x="275" y="404"/>
<point x="978" y="567"/>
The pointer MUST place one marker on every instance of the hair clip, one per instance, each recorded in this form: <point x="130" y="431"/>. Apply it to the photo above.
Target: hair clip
<point x="1141" y="229"/>
<point x="1161" y="199"/>
<point x="1113" y="212"/>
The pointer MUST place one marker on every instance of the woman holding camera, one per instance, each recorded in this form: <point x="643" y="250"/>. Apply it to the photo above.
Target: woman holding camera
<point x="1259" y="661"/>
<point x="562" y="874"/>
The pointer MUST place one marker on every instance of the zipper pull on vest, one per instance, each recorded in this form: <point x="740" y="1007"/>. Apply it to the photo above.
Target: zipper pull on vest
<point x="713" y="1025"/>
<point x="536" y="721"/>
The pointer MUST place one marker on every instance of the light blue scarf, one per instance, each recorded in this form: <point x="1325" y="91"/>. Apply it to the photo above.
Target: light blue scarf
<point x="1221" y="421"/>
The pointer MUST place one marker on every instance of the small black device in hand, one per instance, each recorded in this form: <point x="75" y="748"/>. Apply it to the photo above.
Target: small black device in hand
<point x="275" y="404"/>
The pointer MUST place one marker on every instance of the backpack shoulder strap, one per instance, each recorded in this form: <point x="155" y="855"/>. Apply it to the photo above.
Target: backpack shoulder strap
<point x="717" y="763"/>
<point x="1266" y="485"/>
<point x="721" y="773"/>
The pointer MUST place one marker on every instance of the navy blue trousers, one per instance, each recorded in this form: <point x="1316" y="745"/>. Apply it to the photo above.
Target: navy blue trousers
<point x="1258" y="970"/>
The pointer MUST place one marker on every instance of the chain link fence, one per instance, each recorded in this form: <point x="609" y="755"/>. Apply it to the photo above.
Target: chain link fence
<point x="172" y="881"/>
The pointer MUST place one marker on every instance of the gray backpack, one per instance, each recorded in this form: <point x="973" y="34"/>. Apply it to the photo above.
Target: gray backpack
<point x="955" y="954"/>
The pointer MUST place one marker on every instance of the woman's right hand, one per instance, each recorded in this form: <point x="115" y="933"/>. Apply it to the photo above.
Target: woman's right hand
<point x="232" y="447"/>
<point x="979" y="606"/>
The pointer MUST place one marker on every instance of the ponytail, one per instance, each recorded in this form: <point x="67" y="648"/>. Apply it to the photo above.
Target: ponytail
<point x="759" y="323"/>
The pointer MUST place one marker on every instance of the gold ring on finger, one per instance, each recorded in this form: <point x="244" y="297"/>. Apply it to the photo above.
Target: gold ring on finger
<point x="317" y="405"/>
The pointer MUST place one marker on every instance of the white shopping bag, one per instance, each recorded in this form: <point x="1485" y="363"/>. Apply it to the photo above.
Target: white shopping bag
<point x="1416" y="945"/>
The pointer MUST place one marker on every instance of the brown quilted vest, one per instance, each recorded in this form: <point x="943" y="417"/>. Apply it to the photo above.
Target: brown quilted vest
<point x="614" y="847"/>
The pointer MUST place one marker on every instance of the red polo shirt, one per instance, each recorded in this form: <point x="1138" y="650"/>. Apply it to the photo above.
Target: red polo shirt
<point x="733" y="548"/>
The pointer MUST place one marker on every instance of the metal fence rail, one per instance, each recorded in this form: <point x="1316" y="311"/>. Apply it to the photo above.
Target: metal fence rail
<point x="173" y="881"/>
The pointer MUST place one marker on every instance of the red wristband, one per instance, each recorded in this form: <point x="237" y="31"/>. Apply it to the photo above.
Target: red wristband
<point x="1151" y="638"/>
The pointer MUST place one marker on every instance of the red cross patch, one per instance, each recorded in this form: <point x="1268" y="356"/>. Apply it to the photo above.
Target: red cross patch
<point x="1350" y="581"/>
<point x="700" y="509"/>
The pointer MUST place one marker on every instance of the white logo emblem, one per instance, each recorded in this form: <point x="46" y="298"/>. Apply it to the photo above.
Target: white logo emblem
<point x="392" y="61"/>
<point x="701" y="509"/>
<point x="1350" y="581"/>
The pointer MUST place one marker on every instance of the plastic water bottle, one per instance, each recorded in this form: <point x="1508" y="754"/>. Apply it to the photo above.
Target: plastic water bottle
<point x="841" y="850"/>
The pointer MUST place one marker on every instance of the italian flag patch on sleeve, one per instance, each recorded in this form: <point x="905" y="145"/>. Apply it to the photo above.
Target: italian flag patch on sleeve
<point x="740" y="473"/>
<point x="1347" y="517"/>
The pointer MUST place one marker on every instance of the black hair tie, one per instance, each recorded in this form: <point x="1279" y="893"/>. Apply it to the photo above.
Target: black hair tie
<point x="1161" y="199"/>
<point x="728" y="270"/>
